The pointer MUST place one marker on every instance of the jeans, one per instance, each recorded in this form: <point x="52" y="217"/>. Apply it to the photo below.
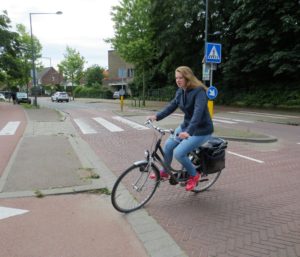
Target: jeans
<point x="180" y="149"/>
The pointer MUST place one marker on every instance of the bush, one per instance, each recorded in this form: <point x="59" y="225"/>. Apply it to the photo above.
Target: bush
<point x="92" y="92"/>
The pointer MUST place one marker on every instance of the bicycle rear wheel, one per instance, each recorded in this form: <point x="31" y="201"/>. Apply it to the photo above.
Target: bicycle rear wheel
<point x="134" y="188"/>
<point x="206" y="181"/>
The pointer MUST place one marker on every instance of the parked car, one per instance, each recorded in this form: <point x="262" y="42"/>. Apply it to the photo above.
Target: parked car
<point x="2" y="97"/>
<point x="22" y="97"/>
<point x="116" y="95"/>
<point x="60" y="97"/>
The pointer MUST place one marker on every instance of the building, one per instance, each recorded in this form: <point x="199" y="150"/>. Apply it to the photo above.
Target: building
<point x="49" y="76"/>
<point x="120" y="73"/>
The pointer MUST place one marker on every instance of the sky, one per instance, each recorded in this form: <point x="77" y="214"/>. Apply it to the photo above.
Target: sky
<point x="83" y="26"/>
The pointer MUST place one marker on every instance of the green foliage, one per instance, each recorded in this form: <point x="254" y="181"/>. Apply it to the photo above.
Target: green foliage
<point x="9" y="43"/>
<point x="92" y="92"/>
<point x="133" y="34"/>
<point x="94" y="76"/>
<point x="72" y="66"/>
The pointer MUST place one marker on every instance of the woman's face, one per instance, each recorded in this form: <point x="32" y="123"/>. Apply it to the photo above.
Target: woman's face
<point x="180" y="80"/>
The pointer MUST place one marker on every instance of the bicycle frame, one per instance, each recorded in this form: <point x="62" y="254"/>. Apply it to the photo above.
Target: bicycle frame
<point x="154" y="156"/>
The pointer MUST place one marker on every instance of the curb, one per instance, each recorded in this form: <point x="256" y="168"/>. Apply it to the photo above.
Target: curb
<point x="269" y="139"/>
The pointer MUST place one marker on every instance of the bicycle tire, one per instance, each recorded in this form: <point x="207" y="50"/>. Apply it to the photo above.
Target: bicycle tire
<point x="206" y="181"/>
<point x="134" y="188"/>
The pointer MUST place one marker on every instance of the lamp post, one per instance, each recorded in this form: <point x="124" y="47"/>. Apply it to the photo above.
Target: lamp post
<point x="33" y="52"/>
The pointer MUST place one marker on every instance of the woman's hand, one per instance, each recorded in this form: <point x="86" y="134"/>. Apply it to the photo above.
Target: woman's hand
<point x="183" y="135"/>
<point x="152" y="118"/>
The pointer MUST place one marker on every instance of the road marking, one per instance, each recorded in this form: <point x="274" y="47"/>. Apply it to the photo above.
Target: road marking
<point x="9" y="212"/>
<point x="110" y="126"/>
<point x="10" y="128"/>
<point x="85" y="128"/>
<point x="224" y="121"/>
<point x="237" y="120"/>
<point x="298" y="143"/>
<point x="130" y="123"/>
<point x="245" y="157"/>
<point x="264" y="114"/>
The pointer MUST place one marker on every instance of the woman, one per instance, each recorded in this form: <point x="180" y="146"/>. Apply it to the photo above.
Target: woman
<point x="196" y="127"/>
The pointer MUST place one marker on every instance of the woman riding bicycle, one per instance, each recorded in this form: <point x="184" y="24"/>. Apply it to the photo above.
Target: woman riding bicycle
<point x="196" y="127"/>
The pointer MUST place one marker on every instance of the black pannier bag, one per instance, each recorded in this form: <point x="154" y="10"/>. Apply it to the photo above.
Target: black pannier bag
<point x="213" y="155"/>
<point x="213" y="163"/>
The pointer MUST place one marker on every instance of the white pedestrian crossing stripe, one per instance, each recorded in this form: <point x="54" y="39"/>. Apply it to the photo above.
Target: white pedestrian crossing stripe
<point x="108" y="125"/>
<point x="10" y="128"/>
<point x="84" y="127"/>
<point x="130" y="123"/>
<point x="9" y="212"/>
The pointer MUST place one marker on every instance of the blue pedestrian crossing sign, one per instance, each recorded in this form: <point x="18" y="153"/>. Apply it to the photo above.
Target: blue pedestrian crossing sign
<point x="213" y="53"/>
<point x="212" y="92"/>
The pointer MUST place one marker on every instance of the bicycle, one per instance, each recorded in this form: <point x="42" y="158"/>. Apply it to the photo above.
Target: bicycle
<point x="134" y="187"/>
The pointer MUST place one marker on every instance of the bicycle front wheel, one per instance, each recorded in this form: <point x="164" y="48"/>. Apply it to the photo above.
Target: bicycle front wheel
<point x="134" y="188"/>
<point x="206" y="181"/>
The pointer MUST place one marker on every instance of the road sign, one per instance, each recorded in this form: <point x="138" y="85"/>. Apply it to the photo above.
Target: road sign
<point x="212" y="92"/>
<point x="213" y="53"/>
<point x="205" y="71"/>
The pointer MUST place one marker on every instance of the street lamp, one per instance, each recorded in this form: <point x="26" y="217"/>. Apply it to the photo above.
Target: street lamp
<point x="33" y="54"/>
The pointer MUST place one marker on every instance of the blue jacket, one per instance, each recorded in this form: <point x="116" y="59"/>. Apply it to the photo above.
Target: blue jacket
<point x="193" y="103"/>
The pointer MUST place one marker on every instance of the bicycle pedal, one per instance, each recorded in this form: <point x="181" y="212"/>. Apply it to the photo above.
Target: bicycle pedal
<point x="203" y="180"/>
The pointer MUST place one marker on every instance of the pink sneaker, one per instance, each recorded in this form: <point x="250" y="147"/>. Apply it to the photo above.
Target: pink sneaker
<point x="192" y="182"/>
<point x="163" y="175"/>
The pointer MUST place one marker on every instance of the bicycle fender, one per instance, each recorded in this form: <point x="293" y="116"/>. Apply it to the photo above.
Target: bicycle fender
<point x="137" y="163"/>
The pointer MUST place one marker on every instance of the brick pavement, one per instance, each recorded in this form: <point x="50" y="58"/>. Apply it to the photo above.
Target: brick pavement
<point x="252" y="210"/>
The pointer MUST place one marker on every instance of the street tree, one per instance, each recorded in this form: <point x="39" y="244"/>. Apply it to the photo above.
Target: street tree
<point x="25" y="53"/>
<point x="72" y="67"/>
<point x="94" y="76"/>
<point x="133" y="35"/>
<point x="10" y="68"/>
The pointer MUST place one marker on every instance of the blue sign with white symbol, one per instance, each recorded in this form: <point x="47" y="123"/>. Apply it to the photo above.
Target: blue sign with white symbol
<point x="212" y="92"/>
<point x="213" y="53"/>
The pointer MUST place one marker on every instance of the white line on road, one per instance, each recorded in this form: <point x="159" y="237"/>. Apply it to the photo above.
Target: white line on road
<point x="110" y="126"/>
<point x="225" y="121"/>
<point x="245" y="157"/>
<point x="10" y="128"/>
<point x="298" y="143"/>
<point x="264" y="114"/>
<point x="237" y="120"/>
<point x="9" y="212"/>
<point x="85" y="128"/>
<point x="130" y="123"/>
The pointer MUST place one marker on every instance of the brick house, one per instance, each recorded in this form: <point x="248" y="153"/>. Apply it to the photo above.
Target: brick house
<point x="49" y="76"/>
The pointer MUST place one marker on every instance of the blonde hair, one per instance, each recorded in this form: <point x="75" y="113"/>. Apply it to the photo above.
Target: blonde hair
<point x="192" y="81"/>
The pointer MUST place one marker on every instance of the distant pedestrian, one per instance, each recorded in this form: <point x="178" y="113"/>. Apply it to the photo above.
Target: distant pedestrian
<point x="13" y="96"/>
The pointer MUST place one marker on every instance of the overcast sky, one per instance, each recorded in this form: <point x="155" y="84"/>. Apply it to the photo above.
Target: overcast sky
<point x="82" y="26"/>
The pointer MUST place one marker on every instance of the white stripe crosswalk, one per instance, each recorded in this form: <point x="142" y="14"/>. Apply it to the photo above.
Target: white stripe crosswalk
<point x="108" y="125"/>
<point x="10" y="128"/>
<point x="91" y="125"/>
<point x="130" y="123"/>
<point x="84" y="127"/>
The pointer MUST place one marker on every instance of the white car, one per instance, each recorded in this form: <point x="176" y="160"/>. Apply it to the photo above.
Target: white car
<point x="2" y="97"/>
<point x="60" y="97"/>
<point x="116" y="95"/>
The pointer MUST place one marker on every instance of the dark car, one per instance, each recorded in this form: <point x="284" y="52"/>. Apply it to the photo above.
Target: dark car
<point x="22" y="97"/>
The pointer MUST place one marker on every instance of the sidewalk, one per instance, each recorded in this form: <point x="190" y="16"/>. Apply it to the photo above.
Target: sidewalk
<point x="52" y="159"/>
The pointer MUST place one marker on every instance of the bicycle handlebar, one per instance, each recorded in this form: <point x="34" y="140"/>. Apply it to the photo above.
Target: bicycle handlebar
<point x="160" y="130"/>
